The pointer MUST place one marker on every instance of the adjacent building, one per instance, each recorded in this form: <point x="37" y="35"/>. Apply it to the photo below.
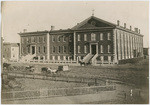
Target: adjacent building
<point x="101" y="40"/>
<point x="10" y="51"/>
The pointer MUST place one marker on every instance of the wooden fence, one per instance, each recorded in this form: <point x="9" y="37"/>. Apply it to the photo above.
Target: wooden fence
<point x="57" y="77"/>
<point x="41" y="93"/>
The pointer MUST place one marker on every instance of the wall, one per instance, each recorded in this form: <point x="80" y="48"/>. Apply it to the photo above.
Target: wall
<point x="15" y="53"/>
<point x="6" y="51"/>
<point x="55" y="42"/>
<point x="128" y="45"/>
<point x="105" y="42"/>
<point x="39" y="42"/>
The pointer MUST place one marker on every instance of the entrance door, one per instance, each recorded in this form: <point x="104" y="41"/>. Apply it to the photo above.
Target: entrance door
<point x="33" y="50"/>
<point x="93" y="49"/>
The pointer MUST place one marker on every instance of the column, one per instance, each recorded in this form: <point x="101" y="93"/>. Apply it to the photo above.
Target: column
<point x="20" y="48"/>
<point x="128" y="46"/>
<point x="115" y="46"/>
<point x="74" y="38"/>
<point x="48" y="46"/>
<point x="125" y="37"/>
<point x="142" y="45"/>
<point x="120" y="45"/>
<point x="119" y="55"/>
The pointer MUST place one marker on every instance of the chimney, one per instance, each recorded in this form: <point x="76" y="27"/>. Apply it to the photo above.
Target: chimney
<point x="130" y="28"/>
<point x="139" y="31"/>
<point x="124" y="25"/>
<point x="136" y="30"/>
<point x="24" y="30"/>
<point x="118" y="22"/>
<point x="52" y="28"/>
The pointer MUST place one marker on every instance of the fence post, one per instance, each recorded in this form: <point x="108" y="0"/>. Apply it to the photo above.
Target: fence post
<point x="95" y="81"/>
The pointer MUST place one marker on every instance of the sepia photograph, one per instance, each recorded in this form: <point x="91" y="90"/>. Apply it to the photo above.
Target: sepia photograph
<point x="75" y="52"/>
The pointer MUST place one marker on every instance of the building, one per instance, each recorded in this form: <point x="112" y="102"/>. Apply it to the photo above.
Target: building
<point x="146" y="52"/>
<point x="10" y="51"/>
<point x="94" y="39"/>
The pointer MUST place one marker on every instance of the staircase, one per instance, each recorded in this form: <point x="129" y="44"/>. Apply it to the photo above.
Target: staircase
<point x="94" y="59"/>
<point x="87" y="58"/>
<point x="27" y="57"/>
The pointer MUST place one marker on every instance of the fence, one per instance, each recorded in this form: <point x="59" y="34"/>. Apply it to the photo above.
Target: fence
<point x="57" y="77"/>
<point x="30" y="94"/>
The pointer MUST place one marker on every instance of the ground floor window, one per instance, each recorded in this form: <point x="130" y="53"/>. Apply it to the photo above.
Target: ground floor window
<point x="85" y="49"/>
<point x="109" y="58"/>
<point x="102" y="58"/>
<point x="58" y="57"/>
<point x="79" y="49"/>
<point x="53" y="57"/>
<point x="53" y="49"/>
<point x="105" y="58"/>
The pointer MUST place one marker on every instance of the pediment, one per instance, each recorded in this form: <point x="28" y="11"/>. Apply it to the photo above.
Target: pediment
<point x="93" y="22"/>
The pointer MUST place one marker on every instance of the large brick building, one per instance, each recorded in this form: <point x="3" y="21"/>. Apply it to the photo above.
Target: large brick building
<point x="95" y="38"/>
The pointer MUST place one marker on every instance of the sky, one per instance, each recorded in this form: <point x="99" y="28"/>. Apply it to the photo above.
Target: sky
<point x="41" y="15"/>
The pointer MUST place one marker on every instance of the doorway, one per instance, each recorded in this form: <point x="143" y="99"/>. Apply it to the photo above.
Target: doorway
<point x="33" y="50"/>
<point x="93" y="49"/>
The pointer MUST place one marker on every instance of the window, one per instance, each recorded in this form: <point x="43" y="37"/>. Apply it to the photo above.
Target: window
<point x="64" y="38"/>
<point x="53" y="57"/>
<point x="59" y="49"/>
<point x="70" y="38"/>
<point x="79" y="50"/>
<point x="64" y="57"/>
<point x="53" y="39"/>
<point x="12" y="49"/>
<point x="109" y="58"/>
<point x="93" y="37"/>
<point x="38" y="39"/>
<point x="28" y="49"/>
<point x="58" y="58"/>
<point x="108" y="48"/>
<point x="79" y="39"/>
<point x="39" y="49"/>
<point x="70" y="48"/>
<point x="44" y="49"/>
<point x="101" y="36"/>
<point x="102" y="58"/>
<point x="23" y="40"/>
<point x="85" y="37"/>
<point x="58" y="38"/>
<point x="108" y="36"/>
<point x="64" y="49"/>
<point x="105" y="58"/>
<point x="13" y="55"/>
<point x="85" y="49"/>
<point x="27" y="40"/>
<point x="53" y="49"/>
<point x="101" y="49"/>
<point x="32" y="39"/>
<point x="44" y="39"/>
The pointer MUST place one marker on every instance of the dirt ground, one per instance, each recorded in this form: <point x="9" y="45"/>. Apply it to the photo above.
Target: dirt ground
<point x="136" y="74"/>
<point x="133" y="76"/>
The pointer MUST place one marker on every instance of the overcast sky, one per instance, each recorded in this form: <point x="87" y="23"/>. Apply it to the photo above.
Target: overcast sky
<point x="38" y="15"/>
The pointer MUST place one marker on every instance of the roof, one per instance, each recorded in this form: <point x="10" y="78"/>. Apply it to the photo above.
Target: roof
<point x="35" y="32"/>
<point x="11" y="44"/>
<point x="86" y="20"/>
<point x="83" y="23"/>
